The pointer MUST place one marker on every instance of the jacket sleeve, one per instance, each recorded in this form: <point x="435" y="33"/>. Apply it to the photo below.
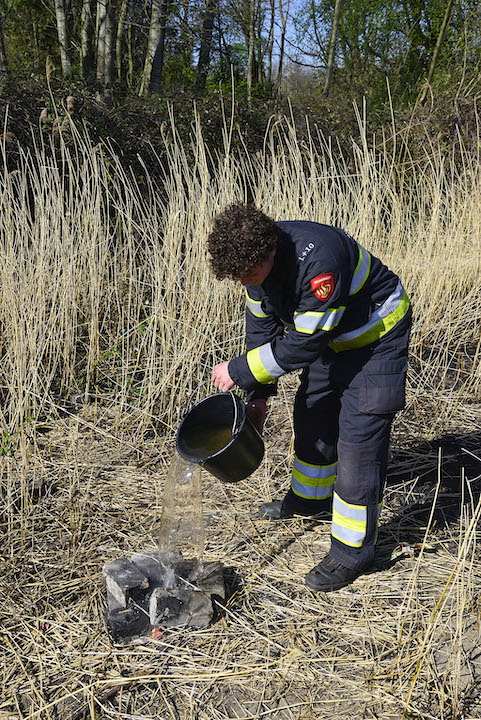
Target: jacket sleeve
<point x="261" y="328"/>
<point x="322" y="301"/>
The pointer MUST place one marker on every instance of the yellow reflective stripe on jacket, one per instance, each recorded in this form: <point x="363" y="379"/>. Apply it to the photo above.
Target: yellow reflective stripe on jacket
<point x="263" y="365"/>
<point x="254" y="306"/>
<point x="382" y="320"/>
<point x="349" y="522"/>
<point x="312" y="481"/>
<point x="309" y="322"/>
<point x="361" y="273"/>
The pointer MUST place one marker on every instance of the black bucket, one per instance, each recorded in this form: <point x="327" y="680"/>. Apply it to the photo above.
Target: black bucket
<point x="217" y="434"/>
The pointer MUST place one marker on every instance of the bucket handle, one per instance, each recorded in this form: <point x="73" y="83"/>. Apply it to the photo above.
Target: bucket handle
<point x="233" y="396"/>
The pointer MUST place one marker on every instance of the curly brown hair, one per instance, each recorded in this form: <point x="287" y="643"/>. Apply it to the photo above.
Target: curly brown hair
<point x="241" y="239"/>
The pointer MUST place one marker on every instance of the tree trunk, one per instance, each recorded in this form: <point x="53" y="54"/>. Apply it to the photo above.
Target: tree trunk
<point x="283" y="17"/>
<point x="205" y="46"/>
<point x="270" y="42"/>
<point x="35" y="45"/>
<point x="154" y="59"/>
<point x="158" y="59"/>
<point x="436" y="51"/>
<point x="185" y="44"/>
<point x="3" y="54"/>
<point x="224" y="59"/>
<point x="250" y="45"/>
<point x="120" y="36"/>
<point x="130" y="59"/>
<point x="109" y="58"/>
<point x="63" y="38"/>
<point x="259" y="58"/>
<point x="332" y="46"/>
<point x="105" y="42"/>
<point x="101" y="24"/>
<point x="86" y="34"/>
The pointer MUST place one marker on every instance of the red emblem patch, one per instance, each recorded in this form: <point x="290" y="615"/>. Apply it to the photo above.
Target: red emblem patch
<point x="323" y="286"/>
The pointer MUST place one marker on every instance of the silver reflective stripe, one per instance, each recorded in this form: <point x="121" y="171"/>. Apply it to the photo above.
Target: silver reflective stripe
<point x="349" y="522"/>
<point x="309" y="322"/>
<point x="266" y="357"/>
<point x="361" y="273"/>
<point x="306" y="491"/>
<point x="313" y="481"/>
<point x="315" y="471"/>
<point x="388" y="306"/>
<point x="254" y="306"/>
<point x="263" y="365"/>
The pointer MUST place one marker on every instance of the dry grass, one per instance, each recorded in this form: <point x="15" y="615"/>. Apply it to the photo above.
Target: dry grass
<point x="109" y="321"/>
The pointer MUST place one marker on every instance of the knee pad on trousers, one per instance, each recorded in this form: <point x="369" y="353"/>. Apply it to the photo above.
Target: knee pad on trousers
<point x="361" y="471"/>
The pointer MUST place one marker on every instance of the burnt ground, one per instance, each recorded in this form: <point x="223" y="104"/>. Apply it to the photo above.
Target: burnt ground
<point x="401" y="639"/>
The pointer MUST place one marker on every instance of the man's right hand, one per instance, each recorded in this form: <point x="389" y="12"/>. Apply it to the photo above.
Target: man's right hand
<point x="257" y="413"/>
<point x="221" y="378"/>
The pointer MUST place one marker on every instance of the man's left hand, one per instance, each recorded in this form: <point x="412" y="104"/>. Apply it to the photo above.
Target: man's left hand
<point x="221" y="378"/>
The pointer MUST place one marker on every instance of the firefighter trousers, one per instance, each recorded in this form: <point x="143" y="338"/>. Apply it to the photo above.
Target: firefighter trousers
<point x="343" y="413"/>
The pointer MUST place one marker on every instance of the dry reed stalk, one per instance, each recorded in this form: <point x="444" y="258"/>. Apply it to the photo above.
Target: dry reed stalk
<point x="110" y="320"/>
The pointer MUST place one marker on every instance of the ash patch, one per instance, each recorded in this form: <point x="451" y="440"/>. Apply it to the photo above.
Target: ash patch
<point x="155" y="590"/>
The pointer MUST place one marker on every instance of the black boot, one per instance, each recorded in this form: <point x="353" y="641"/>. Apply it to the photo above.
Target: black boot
<point x="295" y="505"/>
<point x="331" y="575"/>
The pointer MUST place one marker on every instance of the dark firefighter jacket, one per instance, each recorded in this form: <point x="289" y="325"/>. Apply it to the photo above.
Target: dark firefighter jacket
<point x="324" y="290"/>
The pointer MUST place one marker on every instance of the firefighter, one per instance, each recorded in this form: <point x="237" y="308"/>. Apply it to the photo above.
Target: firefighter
<point x="317" y="301"/>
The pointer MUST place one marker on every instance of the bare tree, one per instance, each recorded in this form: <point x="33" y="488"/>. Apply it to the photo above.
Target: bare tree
<point x="250" y="50"/>
<point x="3" y="54"/>
<point x="284" y="17"/>
<point x="63" y="38"/>
<point x="270" y="42"/>
<point x="101" y="23"/>
<point x="120" y="36"/>
<point x="109" y="58"/>
<point x="259" y="56"/>
<point x="130" y="57"/>
<point x="332" y="46"/>
<point x="86" y="37"/>
<point x="434" y="59"/>
<point x="105" y="42"/>
<point x="154" y="59"/>
<point x="248" y="16"/>
<point x="205" y="45"/>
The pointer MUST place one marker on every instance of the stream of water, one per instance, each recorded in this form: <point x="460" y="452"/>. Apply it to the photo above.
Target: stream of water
<point x="182" y="520"/>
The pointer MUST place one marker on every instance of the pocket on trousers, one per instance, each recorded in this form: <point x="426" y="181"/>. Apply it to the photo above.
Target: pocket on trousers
<point x="383" y="389"/>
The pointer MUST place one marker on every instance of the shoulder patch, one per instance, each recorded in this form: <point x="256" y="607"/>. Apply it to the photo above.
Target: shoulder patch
<point x="323" y="286"/>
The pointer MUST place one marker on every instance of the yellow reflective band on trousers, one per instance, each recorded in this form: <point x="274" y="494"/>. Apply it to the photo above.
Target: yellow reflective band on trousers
<point x="382" y="320"/>
<point x="263" y="365"/>
<point x="312" y="481"/>
<point x="349" y="522"/>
